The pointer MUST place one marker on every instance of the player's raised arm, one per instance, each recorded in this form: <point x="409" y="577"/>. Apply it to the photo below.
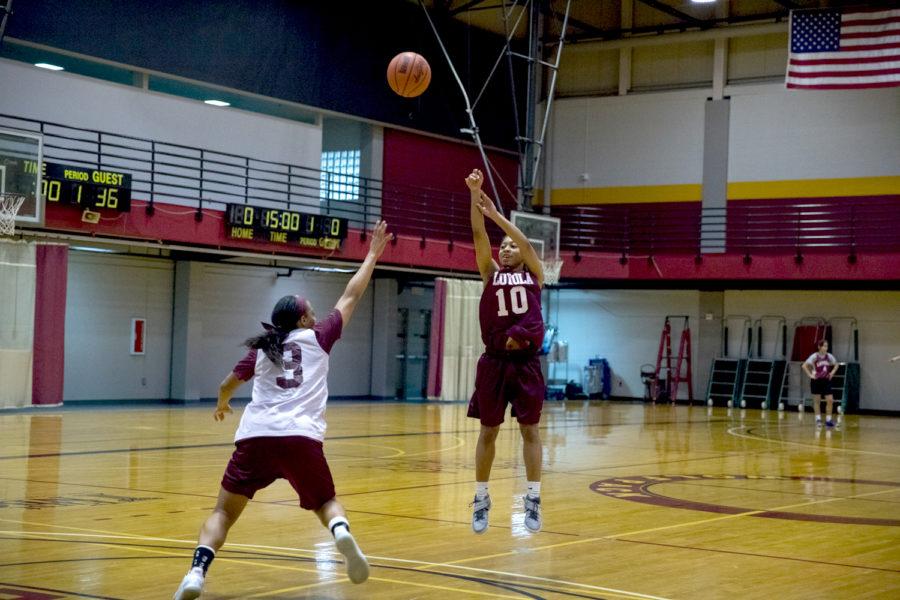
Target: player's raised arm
<point x="357" y="285"/>
<point x="486" y="264"/>
<point x="529" y="256"/>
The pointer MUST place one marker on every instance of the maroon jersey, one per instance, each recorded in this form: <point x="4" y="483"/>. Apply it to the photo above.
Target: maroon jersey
<point x="511" y="308"/>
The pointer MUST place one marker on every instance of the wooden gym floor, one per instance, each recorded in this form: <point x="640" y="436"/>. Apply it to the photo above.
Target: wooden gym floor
<point x="640" y="501"/>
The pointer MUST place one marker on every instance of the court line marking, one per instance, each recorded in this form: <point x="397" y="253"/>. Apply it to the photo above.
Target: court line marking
<point x="673" y="526"/>
<point x="756" y="438"/>
<point x="397" y="451"/>
<point x="700" y="483"/>
<point x="409" y="583"/>
<point x="471" y="432"/>
<point x="757" y="555"/>
<point x="460" y="443"/>
<point x="305" y="552"/>
<point x="50" y="536"/>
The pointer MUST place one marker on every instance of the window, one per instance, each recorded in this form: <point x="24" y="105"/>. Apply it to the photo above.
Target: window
<point x="340" y="175"/>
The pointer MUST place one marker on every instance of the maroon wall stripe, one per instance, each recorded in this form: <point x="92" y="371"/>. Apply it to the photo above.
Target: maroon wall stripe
<point x="52" y="262"/>
<point x="436" y="344"/>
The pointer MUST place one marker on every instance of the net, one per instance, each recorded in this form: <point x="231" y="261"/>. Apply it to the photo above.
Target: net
<point x="9" y="208"/>
<point x="552" y="267"/>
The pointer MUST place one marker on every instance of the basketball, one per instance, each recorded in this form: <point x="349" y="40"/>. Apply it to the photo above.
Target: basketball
<point x="408" y="74"/>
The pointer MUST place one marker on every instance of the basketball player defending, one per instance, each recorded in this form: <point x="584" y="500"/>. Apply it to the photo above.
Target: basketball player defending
<point x="509" y="371"/>
<point x="282" y="429"/>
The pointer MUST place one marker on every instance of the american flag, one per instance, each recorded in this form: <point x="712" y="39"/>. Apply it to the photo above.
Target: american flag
<point x="836" y="50"/>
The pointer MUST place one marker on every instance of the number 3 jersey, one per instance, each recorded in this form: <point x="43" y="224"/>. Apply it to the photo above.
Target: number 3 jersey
<point x="511" y="308"/>
<point x="290" y="400"/>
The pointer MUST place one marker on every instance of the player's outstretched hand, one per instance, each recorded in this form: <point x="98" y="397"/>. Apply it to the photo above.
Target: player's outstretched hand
<point x="487" y="207"/>
<point x="221" y="411"/>
<point x="380" y="238"/>
<point x="474" y="180"/>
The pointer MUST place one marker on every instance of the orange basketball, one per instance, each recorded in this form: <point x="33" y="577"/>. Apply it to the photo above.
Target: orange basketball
<point x="409" y="74"/>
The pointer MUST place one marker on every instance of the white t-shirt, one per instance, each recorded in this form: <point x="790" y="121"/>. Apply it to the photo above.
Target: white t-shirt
<point x="290" y="401"/>
<point x="821" y="364"/>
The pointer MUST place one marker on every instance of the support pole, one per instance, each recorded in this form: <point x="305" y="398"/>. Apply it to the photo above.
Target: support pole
<point x="539" y="143"/>
<point x="7" y="10"/>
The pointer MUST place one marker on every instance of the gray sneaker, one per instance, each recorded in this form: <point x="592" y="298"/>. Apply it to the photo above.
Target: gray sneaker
<point x="480" y="509"/>
<point x="533" y="513"/>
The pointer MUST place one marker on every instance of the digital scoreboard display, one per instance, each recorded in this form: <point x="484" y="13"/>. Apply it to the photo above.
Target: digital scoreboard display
<point x="244" y="222"/>
<point x="87" y="188"/>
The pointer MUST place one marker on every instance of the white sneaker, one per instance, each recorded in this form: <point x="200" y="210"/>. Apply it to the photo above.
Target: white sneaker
<point x="533" y="518"/>
<point x="357" y="565"/>
<point x="191" y="585"/>
<point x="480" y="510"/>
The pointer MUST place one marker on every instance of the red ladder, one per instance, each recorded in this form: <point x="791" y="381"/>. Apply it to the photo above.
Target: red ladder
<point x="674" y="377"/>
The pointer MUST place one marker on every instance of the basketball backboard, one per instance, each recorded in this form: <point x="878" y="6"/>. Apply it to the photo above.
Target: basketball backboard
<point x="542" y="231"/>
<point x="21" y="161"/>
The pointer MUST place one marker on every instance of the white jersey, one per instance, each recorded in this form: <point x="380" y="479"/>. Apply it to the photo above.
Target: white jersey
<point x="290" y="400"/>
<point x="821" y="364"/>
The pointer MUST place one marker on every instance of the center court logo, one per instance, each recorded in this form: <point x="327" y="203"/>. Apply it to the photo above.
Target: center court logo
<point x="637" y="489"/>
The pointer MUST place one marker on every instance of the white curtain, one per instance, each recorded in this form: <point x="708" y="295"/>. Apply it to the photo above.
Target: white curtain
<point x="17" y="277"/>
<point x="462" y="339"/>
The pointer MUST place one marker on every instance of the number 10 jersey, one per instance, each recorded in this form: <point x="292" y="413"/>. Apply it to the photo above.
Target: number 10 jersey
<point x="511" y="308"/>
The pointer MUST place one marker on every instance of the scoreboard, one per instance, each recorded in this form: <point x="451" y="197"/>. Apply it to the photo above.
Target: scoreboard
<point x="88" y="188"/>
<point x="246" y="222"/>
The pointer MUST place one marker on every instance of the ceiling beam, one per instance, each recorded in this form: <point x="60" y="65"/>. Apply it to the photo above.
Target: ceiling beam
<point x="614" y="34"/>
<point x="587" y="28"/>
<point x="663" y="7"/>
<point x="697" y="35"/>
<point x="468" y="5"/>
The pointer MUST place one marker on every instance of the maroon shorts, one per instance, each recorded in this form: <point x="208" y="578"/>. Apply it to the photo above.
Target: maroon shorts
<point x="502" y="380"/>
<point x="257" y="462"/>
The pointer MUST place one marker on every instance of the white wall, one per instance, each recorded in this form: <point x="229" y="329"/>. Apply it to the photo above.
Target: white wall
<point x="622" y="326"/>
<point x="878" y="314"/>
<point x="774" y="134"/>
<point x="104" y="292"/>
<point x="781" y="134"/>
<point x="92" y="104"/>
<point x="650" y="139"/>
<point x="237" y="298"/>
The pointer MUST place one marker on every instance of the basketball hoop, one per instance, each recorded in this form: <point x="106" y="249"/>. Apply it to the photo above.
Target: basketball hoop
<point x="552" y="267"/>
<point x="9" y="208"/>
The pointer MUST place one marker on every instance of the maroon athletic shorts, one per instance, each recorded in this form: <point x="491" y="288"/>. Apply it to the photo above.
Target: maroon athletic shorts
<point x="504" y="379"/>
<point x="257" y="462"/>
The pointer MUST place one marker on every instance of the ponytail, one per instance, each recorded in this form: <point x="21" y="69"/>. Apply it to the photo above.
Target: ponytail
<point x="271" y="342"/>
<point x="285" y="318"/>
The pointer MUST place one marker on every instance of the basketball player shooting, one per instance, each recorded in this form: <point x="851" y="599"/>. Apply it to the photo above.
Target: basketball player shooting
<point x="282" y="429"/>
<point x="509" y="371"/>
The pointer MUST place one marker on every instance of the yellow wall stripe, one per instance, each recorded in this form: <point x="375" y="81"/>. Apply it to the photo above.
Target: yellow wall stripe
<point x="814" y="188"/>
<point x="738" y="190"/>
<point x="632" y="194"/>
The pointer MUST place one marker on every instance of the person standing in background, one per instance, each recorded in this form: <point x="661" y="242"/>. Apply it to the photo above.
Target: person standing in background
<point x="821" y="367"/>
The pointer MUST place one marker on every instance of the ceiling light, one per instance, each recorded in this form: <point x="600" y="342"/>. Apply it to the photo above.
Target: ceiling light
<point x="94" y="249"/>
<point x="217" y="102"/>
<point x="49" y="67"/>
<point x="703" y="1"/>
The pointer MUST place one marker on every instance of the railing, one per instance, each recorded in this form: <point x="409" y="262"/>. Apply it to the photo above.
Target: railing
<point x="201" y="178"/>
<point x="796" y="227"/>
